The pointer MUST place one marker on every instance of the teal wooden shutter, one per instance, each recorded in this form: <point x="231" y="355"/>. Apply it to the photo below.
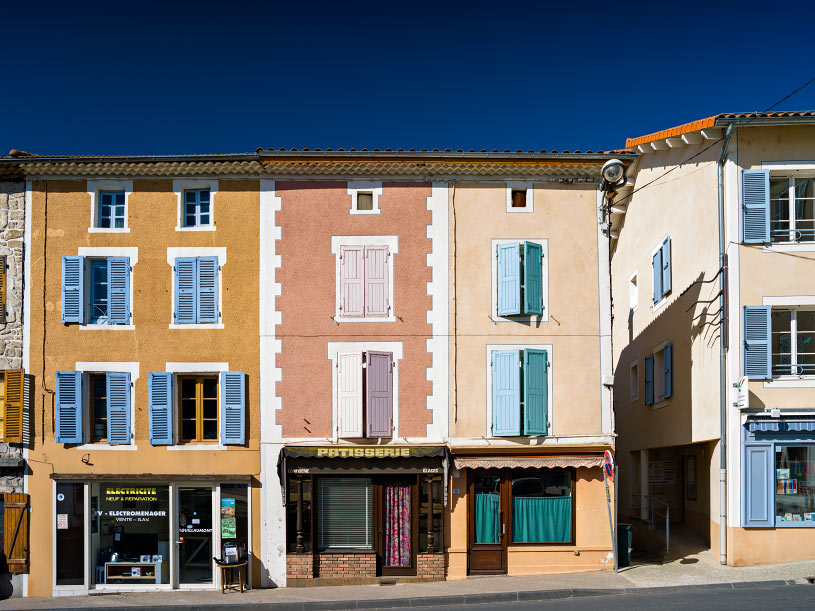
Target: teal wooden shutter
<point x="668" y="370"/>
<point x="118" y="290"/>
<point x="657" y="269"/>
<point x="506" y="392"/>
<point x="533" y="278"/>
<point x="755" y="206"/>
<point x="73" y="289"/>
<point x="207" y="289"/>
<point x="509" y="279"/>
<point x="666" y="266"/>
<point x="756" y="360"/>
<point x="759" y="472"/>
<point x="160" y="399"/>
<point x="68" y="406"/>
<point x="185" y="290"/>
<point x="118" y="389"/>
<point x="649" y="379"/>
<point x="233" y="412"/>
<point x="536" y="396"/>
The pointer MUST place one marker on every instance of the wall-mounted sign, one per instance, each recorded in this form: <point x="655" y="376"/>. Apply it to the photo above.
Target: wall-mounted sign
<point x="229" y="524"/>
<point x="661" y="472"/>
<point x="743" y="394"/>
<point x="363" y="452"/>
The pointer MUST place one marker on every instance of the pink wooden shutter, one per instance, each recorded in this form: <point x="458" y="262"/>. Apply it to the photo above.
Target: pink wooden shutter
<point x="352" y="274"/>
<point x="349" y="394"/>
<point x="379" y="389"/>
<point x="376" y="281"/>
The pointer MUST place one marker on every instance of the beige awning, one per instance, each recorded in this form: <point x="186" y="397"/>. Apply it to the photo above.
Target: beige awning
<point x="529" y="462"/>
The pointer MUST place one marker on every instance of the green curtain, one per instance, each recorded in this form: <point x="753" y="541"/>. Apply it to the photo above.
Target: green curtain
<point x="487" y="506"/>
<point x="541" y="519"/>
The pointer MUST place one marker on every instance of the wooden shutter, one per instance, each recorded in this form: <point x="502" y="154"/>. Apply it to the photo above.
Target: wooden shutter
<point x="506" y="392"/>
<point x="666" y="266"/>
<point x="536" y="395"/>
<point x="509" y="278"/>
<point x="185" y="293"/>
<point x="68" y="400"/>
<point x="349" y="394"/>
<point x="13" y="413"/>
<point x="376" y="281"/>
<point x="755" y="206"/>
<point x="118" y="290"/>
<point x="759" y="508"/>
<point x="379" y="393"/>
<point x="233" y="408"/>
<point x="533" y="278"/>
<point x="118" y="393"/>
<point x="668" y="370"/>
<point x="649" y="379"/>
<point x="207" y="289"/>
<point x="756" y="358"/>
<point x="657" y="269"/>
<point x="73" y="289"/>
<point x="3" y="287"/>
<point x="352" y="278"/>
<point x="15" y="532"/>
<point x="160" y="400"/>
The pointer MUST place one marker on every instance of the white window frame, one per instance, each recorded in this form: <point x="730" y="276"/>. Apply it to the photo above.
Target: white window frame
<point x="179" y="186"/>
<point x="634" y="376"/>
<point x="634" y="291"/>
<point x="174" y="252"/>
<point x="103" y="252"/>
<point x="659" y="357"/>
<point x="193" y="368"/>
<point x="93" y="188"/>
<point x="353" y="187"/>
<point x="793" y="302"/>
<point x="544" y="244"/>
<point x="791" y="178"/>
<point x="88" y="368"/>
<point x="796" y="169"/>
<point x="664" y="299"/>
<point x="337" y="242"/>
<point x="515" y="185"/>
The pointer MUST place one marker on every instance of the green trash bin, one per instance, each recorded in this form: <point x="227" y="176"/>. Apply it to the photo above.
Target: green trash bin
<point x="625" y="535"/>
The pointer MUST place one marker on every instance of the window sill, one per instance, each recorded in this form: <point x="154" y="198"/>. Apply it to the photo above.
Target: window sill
<point x="660" y="303"/>
<point x="197" y="446"/>
<point x="634" y="399"/>
<point x="204" y="228"/>
<point x="108" y="229"/>
<point x="790" y="382"/>
<point x="105" y="446"/>
<point x="522" y="318"/>
<point x="524" y="210"/>
<point x="789" y="247"/>
<point x="365" y="211"/>
<point x="365" y="319"/>
<point x="105" y="327"/>
<point x="209" y="325"/>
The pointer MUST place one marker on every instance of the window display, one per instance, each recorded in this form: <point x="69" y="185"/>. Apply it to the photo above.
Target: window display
<point x="795" y="484"/>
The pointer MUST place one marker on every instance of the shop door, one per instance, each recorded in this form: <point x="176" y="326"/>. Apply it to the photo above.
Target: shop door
<point x="487" y="524"/>
<point x="397" y="526"/>
<point x="195" y="535"/>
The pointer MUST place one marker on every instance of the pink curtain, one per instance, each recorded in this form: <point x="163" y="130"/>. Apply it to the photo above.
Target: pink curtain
<point x="397" y="525"/>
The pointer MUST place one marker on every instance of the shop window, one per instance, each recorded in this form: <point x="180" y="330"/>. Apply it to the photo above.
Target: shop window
<point x="198" y="413"/>
<point x="365" y="394"/>
<point x="96" y="290"/>
<point x="70" y="534"/>
<point x="299" y="503"/>
<point x="431" y="515"/>
<point x="344" y="513"/>
<point x="794" y="485"/>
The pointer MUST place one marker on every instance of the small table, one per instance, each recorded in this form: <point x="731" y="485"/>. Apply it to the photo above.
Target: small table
<point x="227" y="576"/>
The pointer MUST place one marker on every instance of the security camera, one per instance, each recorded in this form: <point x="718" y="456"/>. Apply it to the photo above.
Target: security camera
<point x="613" y="172"/>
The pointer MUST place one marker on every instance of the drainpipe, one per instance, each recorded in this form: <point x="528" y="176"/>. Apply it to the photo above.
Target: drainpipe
<point x="722" y="358"/>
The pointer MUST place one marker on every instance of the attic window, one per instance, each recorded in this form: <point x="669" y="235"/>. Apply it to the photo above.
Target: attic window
<point x="365" y="200"/>
<point x="519" y="198"/>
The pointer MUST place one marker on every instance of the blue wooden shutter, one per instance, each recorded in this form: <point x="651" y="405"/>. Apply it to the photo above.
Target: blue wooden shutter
<point x="233" y="400"/>
<point x="68" y="409"/>
<point x="666" y="266"/>
<point x="536" y="404"/>
<point x="118" y="389"/>
<point x="207" y="289"/>
<point x="73" y="289"/>
<point x="759" y="508"/>
<point x="118" y="290"/>
<point x="667" y="370"/>
<point x="657" y="269"/>
<point x="533" y="278"/>
<point x="755" y="206"/>
<point x="509" y="279"/>
<point x="756" y="358"/>
<point x="649" y="379"/>
<point x="185" y="293"/>
<point x="506" y="392"/>
<point x="160" y="399"/>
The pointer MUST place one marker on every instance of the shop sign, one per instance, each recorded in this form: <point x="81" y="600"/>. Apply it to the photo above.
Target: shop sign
<point x="119" y="493"/>
<point x="363" y="452"/>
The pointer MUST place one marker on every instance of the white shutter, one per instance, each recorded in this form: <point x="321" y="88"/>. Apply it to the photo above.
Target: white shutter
<point x="349" y="394"/>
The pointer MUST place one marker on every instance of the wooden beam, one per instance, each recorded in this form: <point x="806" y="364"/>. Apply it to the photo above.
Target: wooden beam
<point x="712" y="133"/>
<point x="674" y="143"/>
<point x="692" y="138"/>
<point x="644" y="148"/>
<point x="659" y="145"/>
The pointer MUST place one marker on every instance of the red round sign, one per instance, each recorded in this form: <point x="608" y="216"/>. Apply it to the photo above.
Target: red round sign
<point x="608" y="464"/>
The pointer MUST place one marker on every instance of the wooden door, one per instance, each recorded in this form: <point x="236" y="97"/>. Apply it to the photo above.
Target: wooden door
<point x="394" y="526"/>
<point x="488" y="511"/>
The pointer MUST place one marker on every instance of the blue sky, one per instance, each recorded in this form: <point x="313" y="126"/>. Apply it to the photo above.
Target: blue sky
<point x="166" y="77"/>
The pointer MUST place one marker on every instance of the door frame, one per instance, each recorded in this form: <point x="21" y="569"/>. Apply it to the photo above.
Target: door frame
<point x="378" y="508"/>
<point x="215" y="491"/>
<point x="504" y="517"/>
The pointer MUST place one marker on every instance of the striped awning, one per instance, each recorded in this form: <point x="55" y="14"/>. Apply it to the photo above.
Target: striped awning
<point x="528" y="462"/>
<point x="782" y="425"/>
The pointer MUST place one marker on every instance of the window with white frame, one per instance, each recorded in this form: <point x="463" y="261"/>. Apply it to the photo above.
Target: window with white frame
<point x="96" y="290"/>
<point x="520" y="197"/>
<point x="364" y="278"/>
<point x="196" y="204"/>
<point x="792" y="209"/>
<point x="111" y="213"/>
<point x="634" y="380"/>
<point x="109" y="205"/>
<point x="519" y="389"/>
<point x="197" y="286"/>
<point x="633" y="292"/>
<point x="364" y="196"/>
<point x="93" y="407"/>
<point x="659" y="374"/>
<point x="364" y="394"/>
<point x="661" y="268"/>
<point x="793" y="341"/>
<point x="520" y="278"/>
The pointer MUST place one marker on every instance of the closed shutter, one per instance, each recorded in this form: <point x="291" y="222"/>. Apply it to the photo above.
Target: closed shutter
<point x="649" y="379"/>
<point x="755" y="206"/>
<point x="68" y="406"/>
<point x="349" y="394"/>
<point x="536" y="396"/>
<point x="352" y="279"/>
<point x="118" y="389"/>
<point x="13" y="412"/>
<point x="759" y="509"/>
<point x="379" y="393"/>
<point x="376" y="281"/>
<point x="185" y="290"/>
<point x="73" y="289"/>
<point x="233" y="407"/>
<point x="506" y="392"/>
<point x="533" y="278"/>
<point x="118" y="290"/>
<point x="509" y="279"/>
<point x="666" y="266"/>
<point x="160" y="398"/>
<point x="668" y="370"/>
<point x="3" y="289"/>
<point x="15" y="532"/>
<point x="207" y="288"/>
<point x="657" y="269"/>
<point x="756" y="359"/>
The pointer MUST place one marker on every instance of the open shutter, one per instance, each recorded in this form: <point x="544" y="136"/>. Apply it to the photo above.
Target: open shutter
<point x="755" y="206"/>
<point x="69" y="406"/>
<point x="376" y="281"/>
<point x="352" y="278"/>
<point x="657" y="269"/>
<point x="349" y="394"/>
<point x="160" y="398"/>
<point x="379" y="394"/>
<point x="536" y="421"/>
<point x="13" y="411"/>
<point x="509" y="279"/>
<point x="506" y="392"/>
<point x="3" y="284"/>
<point x="118" y="290"/>
<point x="668" y="370"/>
<point x="15" y="532"/>
<point x="207" y="286"/>
<point x="756" y="359"/>
<point x="533" y="278"/>
<point x="185" y="293"/>
<point x="759" y="477"/>
<point x="666" y="266"/>
<point x="73" y="289"/>
<point x="649" y="379"/>
<point x="233" y="407"/>
<point x="118" y="389"/>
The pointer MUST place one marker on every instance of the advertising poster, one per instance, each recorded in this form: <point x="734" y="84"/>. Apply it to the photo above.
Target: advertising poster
<point x="229" y="525"/>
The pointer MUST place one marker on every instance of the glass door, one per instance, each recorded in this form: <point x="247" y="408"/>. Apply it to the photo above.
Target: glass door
<point x="488" y="527"/>
<point x="194" y="535"/>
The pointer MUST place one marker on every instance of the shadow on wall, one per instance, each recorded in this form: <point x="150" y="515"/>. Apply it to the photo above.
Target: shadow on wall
<point x="6" y="586"/>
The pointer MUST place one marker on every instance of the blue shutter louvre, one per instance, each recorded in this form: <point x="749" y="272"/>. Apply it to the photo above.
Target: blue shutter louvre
<point x="185" y="293"/>
<point x="506" y="393"/>
<point x="73" y="289"/>
<point x="649" y="379"/>
<point x="657" y="265"/>
<point x="755" y="206"/>
<point x="533" y="278"/>
<point x="535" y="393"/>
<point x="509" y="279"/>
<point x="759" y="477"/>
<point x="118" y="290"/>
<point x="667" y="370"/>
<point x="207" y="288"/>
<point x="756" y="360"/>
<point x="68" y="391"/>
<point x="118" y="389"/>
<point x="160" y="399"/>
<point x="666" y="266"/>
<point x="233" y="412"/>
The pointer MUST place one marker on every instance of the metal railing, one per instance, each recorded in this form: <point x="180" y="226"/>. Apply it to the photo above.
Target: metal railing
<point x="653" y="512"/>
